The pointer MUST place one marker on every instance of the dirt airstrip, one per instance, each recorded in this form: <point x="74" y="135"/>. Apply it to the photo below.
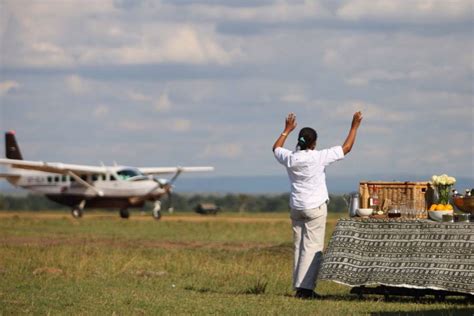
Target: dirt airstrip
<point x="114" y="243"/>
<point x="137" y="216"/>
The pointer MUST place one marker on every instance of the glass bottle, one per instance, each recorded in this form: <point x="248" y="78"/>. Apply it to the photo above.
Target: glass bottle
<point x="374" y="200"/>
<point x="365" y="196"/>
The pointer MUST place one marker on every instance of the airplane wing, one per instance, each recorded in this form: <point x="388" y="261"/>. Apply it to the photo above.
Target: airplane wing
<point x="53" y="167"/>
<point x="167" y="170"/>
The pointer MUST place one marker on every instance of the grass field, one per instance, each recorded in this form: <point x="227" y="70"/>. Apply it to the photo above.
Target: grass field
<point x="53" y="264"/>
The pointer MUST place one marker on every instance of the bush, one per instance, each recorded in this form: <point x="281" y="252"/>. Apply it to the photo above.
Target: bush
<point x="250" y="203"/>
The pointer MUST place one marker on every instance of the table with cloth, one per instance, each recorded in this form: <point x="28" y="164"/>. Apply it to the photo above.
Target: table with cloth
<point x="416" y="254"/>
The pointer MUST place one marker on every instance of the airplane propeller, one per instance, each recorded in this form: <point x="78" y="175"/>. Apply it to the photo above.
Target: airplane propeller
<point x="167" y="185"/>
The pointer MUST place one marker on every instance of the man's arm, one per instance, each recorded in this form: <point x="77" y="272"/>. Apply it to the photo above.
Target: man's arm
<point x="347" y="146"/>
<point x="290" y="125"/>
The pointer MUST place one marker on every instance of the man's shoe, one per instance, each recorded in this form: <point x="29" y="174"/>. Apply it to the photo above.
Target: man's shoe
<point x="307" y="294"/>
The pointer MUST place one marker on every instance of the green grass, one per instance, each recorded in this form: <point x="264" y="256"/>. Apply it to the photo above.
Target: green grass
<point x="103" y="265"/>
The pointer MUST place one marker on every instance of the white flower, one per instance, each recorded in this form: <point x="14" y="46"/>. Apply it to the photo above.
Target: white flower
<point x="443" y="179"/>
<point x="451" y="180"/>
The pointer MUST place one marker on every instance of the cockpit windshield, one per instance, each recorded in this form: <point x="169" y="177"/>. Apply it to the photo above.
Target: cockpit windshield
<point x="128" y="173"/>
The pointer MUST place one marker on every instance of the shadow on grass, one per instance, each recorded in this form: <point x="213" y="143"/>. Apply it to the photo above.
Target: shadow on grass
<point x="457" y="300"/>
<point x="279" y="249"/>
<point x="200" y="289"/>
<point x="258" y="288"/>
<point x="431" y="312"/>
<point x="398" y="299"/>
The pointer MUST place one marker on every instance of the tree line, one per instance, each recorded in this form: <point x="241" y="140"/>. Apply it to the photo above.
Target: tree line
<point x="251" y="203"/>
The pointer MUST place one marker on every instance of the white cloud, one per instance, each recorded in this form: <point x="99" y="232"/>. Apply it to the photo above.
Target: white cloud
<point x="178" y="125"/>
<point x="278" y="11"/>
<point x="188" y="46"/>
<point x="69" y="34"/>
<point x="437" y="99"/>
<point x="222" y="150"/>
<point x="378" y="130"/>
<point x="372" y="113"/>
<point x="101" y="111"/>
<point x="133" y="126"/>
<point x="172" y="43"/>
<point x="163" y="103"/>
<point x="363" y="59"/>
<point x="331" y="57"/>
<point x="366" y="77"/>
<point x="48" y="48"/>
<point x="406" y="10"/>
<point x="7" y="86"/>
<point x="181" y="125"/>
<point x="139" y="97"/>
<point x="76" y="84"/>
<point x="294" y="98"/>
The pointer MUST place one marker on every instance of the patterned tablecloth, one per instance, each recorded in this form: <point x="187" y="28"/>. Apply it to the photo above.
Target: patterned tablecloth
<point x="403" y="253"/>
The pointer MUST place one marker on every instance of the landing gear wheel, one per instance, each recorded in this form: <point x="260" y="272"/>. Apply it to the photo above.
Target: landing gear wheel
<point x="124" y="213"/>
<point x="156" y="210"/>
<point x="76" y="212"/>
<point x="156" y="215"/>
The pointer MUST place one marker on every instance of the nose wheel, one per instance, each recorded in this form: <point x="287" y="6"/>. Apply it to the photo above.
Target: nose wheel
<point x="76" y="212"/>
<point x="124" y="213"/>
<point x="156" y="210"/>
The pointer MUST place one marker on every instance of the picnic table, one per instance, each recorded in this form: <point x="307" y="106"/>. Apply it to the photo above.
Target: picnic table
<point x="401" y="257"/>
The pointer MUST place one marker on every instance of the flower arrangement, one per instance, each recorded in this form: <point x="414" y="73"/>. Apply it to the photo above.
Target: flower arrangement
<point x="443" y="185"/>
<point x="443" y="179"/>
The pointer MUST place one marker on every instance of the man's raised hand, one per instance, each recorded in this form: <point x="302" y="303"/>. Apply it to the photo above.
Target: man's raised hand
<point x="290" y="123"/>
<point x="356" y="119"/>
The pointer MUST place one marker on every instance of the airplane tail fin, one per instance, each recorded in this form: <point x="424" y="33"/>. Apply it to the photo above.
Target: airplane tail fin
<point x="12" y="151"/>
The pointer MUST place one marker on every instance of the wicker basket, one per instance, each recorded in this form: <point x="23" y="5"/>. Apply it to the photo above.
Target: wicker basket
<point x="416" y="195"/>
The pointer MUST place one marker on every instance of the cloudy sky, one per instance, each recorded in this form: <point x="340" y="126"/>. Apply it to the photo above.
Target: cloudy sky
<point x="163" y="83"/>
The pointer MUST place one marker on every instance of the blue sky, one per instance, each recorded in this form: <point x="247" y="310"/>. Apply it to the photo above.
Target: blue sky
<point x="163" y="83"/>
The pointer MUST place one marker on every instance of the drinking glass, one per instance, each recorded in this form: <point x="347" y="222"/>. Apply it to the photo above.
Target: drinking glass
<point x="409" y="209"/>
<point x="402" y="206"/>
<point x="394" y="212"/>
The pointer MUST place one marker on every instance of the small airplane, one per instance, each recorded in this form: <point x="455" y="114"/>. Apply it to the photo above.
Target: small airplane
<point x="81" y="186"/>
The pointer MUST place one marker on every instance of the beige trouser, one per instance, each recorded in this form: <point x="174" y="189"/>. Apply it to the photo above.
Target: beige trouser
<point x="308" y="236"/>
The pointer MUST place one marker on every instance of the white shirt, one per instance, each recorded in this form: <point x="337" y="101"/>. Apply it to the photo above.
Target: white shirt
<point x="306" y="170"/>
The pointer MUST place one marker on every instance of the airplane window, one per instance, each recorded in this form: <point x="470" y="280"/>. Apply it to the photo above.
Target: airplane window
<point x="72" y="179"/>
<point x="112" y="177"/>
<point x="56" y="179"/>
<point x="125" y="174"/>
<point x="50" y="179"/>
<point x="94" y="177"/>
<point x="103" y="177"/>
<point x="84" y="177"/>
<point x="64" y="179"/>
